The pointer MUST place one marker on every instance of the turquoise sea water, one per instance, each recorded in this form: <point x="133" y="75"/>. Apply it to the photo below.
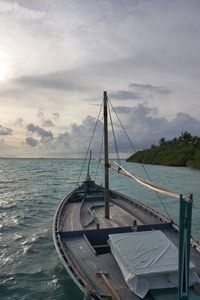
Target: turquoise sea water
<point x="30" y="191"/>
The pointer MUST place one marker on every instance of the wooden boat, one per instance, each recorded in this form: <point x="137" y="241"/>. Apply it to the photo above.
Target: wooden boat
<point x="115" y="247"/>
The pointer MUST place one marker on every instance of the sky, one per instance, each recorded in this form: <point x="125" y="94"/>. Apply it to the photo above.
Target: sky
<point x="57" y="58"/>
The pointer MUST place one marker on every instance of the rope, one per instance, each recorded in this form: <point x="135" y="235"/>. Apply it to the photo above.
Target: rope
<point x="116" y="148"/>
<point x="99" y="154"/>
<point x="91" y="213"/>
<point x="114" y="137"/>
<point x="141" y="163"/>
<point x="89" y="146"/>
<point x="89" y="291"/>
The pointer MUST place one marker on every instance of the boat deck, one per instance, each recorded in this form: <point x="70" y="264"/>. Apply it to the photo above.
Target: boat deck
<point x="80" y="247"/>
<point x="81" y="224"/>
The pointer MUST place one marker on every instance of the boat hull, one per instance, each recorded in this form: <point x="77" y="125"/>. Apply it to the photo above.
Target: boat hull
<point x="81" y="236"/>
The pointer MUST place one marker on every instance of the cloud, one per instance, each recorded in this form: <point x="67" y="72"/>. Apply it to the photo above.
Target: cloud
<point x="184" y="121"/>
<point x="31" y="142"/>
<point x="44" y="134"/>
<point x="145" y="128"/>
<point x="72" y="143"/>
<point x="47" y="123"/>
<point x="68" y="52"/>
<point x="80" y="135"/>
<point x="5" y="130"/>
<point x="154" y="89"/>
<point x="3" y="147"/>
<point x="19" y="12"/>
<point x="122" y="109"/>
<point x="64" y="138"/>
<point x="75" y="142"/>
<point x="142" y="124"/>
<point x="40" y="113"/>
<point x="124" y="95"/>
<point x="56" y="115"/>
<point x="19" y="121"/>
<point x="56" y="80"/>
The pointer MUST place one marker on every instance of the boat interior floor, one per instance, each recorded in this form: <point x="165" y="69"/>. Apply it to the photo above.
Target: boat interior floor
<point x="85" y="233"/>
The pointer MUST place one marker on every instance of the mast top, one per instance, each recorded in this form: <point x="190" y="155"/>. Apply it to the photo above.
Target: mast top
<point x="105" y="98"/>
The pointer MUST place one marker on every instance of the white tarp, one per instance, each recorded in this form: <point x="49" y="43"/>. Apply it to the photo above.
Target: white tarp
<point x="148" y="260"/>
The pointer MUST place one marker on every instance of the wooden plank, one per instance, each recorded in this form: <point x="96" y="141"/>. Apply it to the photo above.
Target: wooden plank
<point x="72" y="217"/>
<point x="104" y="276"/>
<point x="105" y="263"/>
<point x="118" y="216"/>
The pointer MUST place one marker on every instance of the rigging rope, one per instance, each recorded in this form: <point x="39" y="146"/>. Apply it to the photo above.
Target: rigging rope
<point x="99" y="155"/>
<point x="116" y="149"/>
<point x="114" y="137"/>
<point x="89" y="145"/>
<point x="141" y="163"/>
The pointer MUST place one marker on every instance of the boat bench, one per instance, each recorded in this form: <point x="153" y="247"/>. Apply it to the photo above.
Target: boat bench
<point x="98" y="238"/>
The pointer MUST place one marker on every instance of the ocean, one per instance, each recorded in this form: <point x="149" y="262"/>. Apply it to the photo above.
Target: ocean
<point x="31" y="190"/>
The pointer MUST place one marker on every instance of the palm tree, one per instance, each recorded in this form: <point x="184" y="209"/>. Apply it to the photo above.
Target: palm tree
<point x="162" y="142"/>
<point x="185" y="138"/>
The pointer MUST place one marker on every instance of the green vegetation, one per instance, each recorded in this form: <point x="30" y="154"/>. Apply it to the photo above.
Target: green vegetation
<point x="182" y="151"/>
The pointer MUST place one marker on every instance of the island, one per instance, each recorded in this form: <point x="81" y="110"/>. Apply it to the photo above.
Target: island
<point x="182" y="151"/>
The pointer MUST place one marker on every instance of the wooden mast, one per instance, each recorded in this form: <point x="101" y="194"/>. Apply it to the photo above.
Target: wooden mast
<point x="106" y="195"/>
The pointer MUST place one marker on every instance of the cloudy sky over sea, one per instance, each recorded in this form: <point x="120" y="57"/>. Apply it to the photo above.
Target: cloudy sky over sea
<point x="57" y="58"/>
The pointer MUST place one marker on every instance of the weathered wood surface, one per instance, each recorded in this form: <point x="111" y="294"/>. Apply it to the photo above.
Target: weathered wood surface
<point x="76" y="216"/>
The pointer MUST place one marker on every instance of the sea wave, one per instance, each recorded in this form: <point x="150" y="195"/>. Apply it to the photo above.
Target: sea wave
<point x="31" y="191"/>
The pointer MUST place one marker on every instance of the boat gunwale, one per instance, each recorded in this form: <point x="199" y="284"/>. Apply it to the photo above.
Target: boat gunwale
<point x="195" y="242"/>
<point x="65" y="257"/>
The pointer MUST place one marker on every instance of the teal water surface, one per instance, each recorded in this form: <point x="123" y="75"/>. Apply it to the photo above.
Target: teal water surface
<point x="31" y="190"/>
